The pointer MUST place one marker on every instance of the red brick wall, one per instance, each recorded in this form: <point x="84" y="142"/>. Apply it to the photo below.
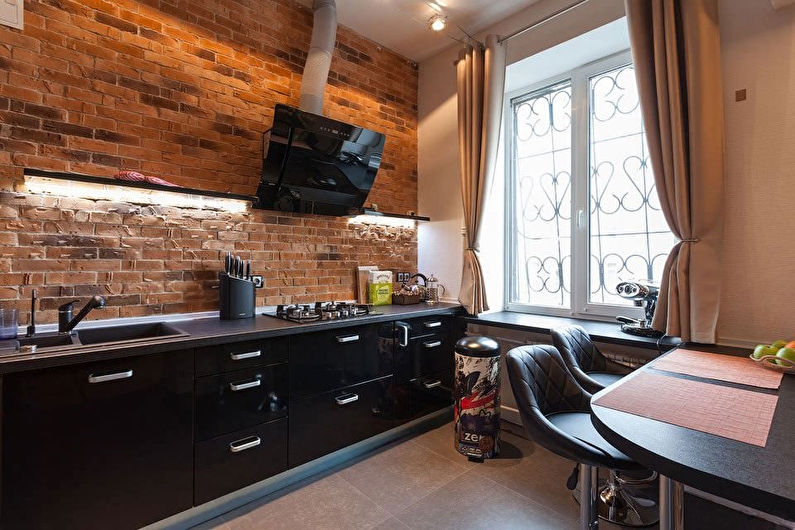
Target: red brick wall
<point x="183" y="89"/>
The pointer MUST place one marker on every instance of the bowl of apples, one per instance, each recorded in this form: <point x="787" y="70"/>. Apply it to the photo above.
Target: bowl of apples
<point x="778" y="356"/>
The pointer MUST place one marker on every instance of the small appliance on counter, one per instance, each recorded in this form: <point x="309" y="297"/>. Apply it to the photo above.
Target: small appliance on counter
<point x="237" y="289"/>
<point x="642" y="294"/>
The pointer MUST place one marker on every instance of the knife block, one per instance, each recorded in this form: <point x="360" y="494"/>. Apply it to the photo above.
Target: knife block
<point x="237" y="298"/>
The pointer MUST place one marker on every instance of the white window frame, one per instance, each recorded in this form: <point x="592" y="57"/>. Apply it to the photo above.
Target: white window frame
<point x="580" y="184"/>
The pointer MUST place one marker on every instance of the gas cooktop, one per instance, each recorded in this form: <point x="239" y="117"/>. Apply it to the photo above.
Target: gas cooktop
<point x="322" y="311"/>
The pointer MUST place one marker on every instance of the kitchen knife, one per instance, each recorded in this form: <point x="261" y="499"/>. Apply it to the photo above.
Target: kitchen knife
<point x="228" y="263"/>
<point x="239" y="268"/>
<point x="248" y="270"/>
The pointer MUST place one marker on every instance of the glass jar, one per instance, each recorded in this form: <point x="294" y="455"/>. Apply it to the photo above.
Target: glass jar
<point x="432" y="290"/>
<point x="8" y="323"/>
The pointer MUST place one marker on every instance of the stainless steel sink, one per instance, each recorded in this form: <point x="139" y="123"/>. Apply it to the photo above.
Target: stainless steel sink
<point x="127" y="333"/>
<point x="123" y="334"/>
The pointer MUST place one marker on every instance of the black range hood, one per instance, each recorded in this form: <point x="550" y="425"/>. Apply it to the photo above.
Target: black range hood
<point x="317" y="165"/>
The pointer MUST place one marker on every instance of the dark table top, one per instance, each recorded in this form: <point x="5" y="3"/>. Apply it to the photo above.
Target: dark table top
<point x="600" y="331"/>
<point x="199" y="332"/>
<point x="762" y="478"/>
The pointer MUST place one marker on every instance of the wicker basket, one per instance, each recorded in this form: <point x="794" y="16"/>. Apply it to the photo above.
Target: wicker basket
<point x="405" y="299"/>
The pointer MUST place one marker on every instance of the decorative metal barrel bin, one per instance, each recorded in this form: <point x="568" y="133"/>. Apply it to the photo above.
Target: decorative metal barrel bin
<point x="477" y="397"/>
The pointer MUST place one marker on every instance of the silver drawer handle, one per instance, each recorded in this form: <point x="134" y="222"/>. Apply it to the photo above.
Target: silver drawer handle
<point x="110" y="377"/>
<point x="432" y="384"/>
<point x="348" y="338"/>
<point x="433" y="324"/>
<point x="236" y="387"/>
<point x="346" y="398"/>
<point x="247" y="355"/>
<point x="433" y="344"/>
<point x="245" y="443"/>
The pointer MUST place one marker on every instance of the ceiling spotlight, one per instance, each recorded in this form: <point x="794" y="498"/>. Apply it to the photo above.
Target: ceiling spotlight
<point x="437" y="22"/>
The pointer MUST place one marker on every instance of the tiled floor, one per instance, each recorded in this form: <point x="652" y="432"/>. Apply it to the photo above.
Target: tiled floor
<point x="423" y="482"/>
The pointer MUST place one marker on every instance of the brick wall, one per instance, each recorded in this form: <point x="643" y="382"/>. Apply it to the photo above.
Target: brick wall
<point x="183" y="89"/>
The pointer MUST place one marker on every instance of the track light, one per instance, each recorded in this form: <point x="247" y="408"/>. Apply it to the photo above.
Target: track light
<point x="437" y="22"/>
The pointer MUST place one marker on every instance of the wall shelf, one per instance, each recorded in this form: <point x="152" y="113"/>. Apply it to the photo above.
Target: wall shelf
<point x="376" y="213"/>
<point x="105" y="181"/>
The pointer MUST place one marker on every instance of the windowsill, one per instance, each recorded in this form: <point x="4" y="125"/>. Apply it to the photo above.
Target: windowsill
<point x="609" y="332"/>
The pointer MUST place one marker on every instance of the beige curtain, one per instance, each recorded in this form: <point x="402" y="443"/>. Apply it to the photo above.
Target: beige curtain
<point x="481" y="83"/>
<point x="676" y="50"/>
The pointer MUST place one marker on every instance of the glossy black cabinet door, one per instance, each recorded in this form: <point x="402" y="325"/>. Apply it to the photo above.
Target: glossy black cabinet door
<point x="326" y="422"/>
<point x="232" y="461"/>
<point x="431" y="393"/>
<point x="236" y="400"/>
<point x="238" y="355"/>
<point x="98" y="445"/>
<point x="326" y="360"/>
<point x="424" y="356"/>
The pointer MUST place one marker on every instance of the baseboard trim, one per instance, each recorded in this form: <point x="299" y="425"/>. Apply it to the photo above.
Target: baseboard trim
<point x="209" y="510"/>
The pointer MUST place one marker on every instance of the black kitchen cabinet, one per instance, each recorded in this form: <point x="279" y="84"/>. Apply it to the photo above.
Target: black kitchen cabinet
<point x="232" y="461"/>
<point x="329" y="421"/>
<point x="326" y="360"/>
<point x="235" y="400"/>
<point x="98" y="445"/>
<point x="424" y="355"/>
<point x="238" y="355"/>
<point x="424" y="358"/>
<point x="431" y="393"/>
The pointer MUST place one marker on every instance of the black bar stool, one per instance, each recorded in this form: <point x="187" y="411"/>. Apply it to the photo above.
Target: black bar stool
<point x="592" y="370"/>
<point x="555" y="411"/>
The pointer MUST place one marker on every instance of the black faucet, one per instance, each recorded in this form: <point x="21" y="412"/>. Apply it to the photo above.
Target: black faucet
<point x="32" y="327"/>
<point x="65" y="321"/>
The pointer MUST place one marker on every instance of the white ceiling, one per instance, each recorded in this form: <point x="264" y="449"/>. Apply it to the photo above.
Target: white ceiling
<point x="402" y="25"/>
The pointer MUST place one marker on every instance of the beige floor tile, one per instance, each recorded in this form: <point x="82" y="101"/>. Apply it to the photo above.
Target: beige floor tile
<point x="329" y="503"/>
<point x="534" y="472"/>
<point x="401" y="475"/>
<point x="474" y="502"/>
<point x="391" y="524"/>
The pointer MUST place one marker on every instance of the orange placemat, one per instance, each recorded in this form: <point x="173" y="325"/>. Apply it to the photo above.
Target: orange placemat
<point x="742" y="415"/>
<point x="721" y="367"/>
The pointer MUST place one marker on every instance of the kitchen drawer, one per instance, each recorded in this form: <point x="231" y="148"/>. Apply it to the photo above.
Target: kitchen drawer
<point x="105" y="444"/>
<point x="424" y="355"/>
<point x="324" y="423"/>
<point x="326" y="360"/>
<point x="431" y="393"/>
<point x="232" y="461"/>
<point x="238" y="355"/>
<point x="427" y="325"/>
<point x="236" y="400"/>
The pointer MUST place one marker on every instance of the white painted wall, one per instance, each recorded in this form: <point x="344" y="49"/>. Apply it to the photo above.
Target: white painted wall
<point x="440" y="241"/>
<point x="758" y="54"/>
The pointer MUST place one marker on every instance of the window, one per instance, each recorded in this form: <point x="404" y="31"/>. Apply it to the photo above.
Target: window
<point x="582" y="209"/>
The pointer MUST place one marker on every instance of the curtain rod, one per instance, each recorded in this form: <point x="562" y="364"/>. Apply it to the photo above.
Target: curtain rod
<point x="542" y="21"/>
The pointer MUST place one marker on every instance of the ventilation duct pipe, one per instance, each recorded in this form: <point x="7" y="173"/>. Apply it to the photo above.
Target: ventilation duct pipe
<point x="324" y="33"/>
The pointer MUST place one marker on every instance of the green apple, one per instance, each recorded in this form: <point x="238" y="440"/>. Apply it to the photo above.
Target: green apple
<point x="778" y="344"/>
<point x="763" y="350"/>
<point x="786" y="353"/>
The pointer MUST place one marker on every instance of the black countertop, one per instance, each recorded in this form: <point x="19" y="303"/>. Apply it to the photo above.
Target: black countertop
<point x="609" y="332"/>
<point x="759" y="477"/>
<point x="205" y="332"/>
